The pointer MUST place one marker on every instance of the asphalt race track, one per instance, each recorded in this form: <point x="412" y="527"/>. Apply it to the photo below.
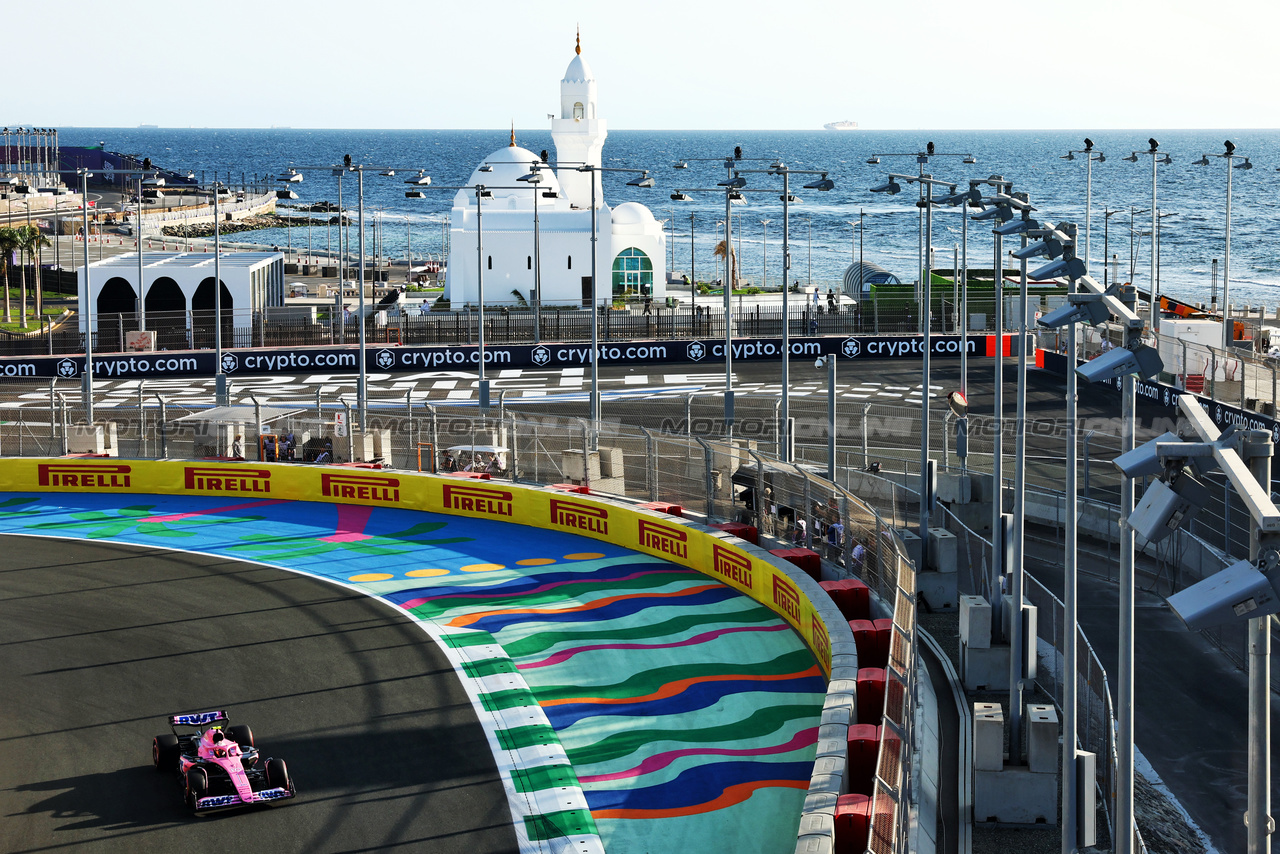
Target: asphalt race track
<point x="102" y="641"/>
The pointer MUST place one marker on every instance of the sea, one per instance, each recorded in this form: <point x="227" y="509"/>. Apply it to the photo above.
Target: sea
<point x="828" y="230"/>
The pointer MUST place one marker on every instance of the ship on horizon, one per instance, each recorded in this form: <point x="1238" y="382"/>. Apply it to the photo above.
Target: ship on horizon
<point x="845" y="125"/>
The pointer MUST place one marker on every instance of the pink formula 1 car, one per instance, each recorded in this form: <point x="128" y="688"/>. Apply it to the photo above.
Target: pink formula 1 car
<point x="219" y="768"/>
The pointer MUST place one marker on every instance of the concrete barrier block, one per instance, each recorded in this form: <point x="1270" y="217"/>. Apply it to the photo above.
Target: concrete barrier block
<point x="826" y="783"/>
<point x="821" y="801"/>
<point x="911" y="540"/>
<point x="1042" y="739"/>
<point x="833" y="730"/>
<point x="943" y="547"/>
<point x="988" y="737"/>
<point x="955" y="488"/>
<point x="844" y="684"/>
<point x="939" y="589"/>
<point x="818" y="824"/>
<point x="832" y="747"/>
<point x="1015" y="795"/>
<point x="838" y="709"/>
<point x="834" y="767"/>
<point x="815" y="843"/>
<point x="845" y="660"/>
<point x="986" y="669"/>
<point x="975" y="622"/>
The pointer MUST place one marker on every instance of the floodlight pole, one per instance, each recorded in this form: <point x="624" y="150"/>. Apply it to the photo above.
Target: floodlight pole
<point x="1257" y="818"/>
<point x="1125" y="825"/>
<point x="88" y="301"/>
<point x="1017" y="639"/>
<point x="362" y="385"/>
<point x="221" y="394"/>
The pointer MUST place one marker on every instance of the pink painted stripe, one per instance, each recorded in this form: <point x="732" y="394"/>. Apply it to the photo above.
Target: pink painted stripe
<point x="483" y="593"/>
<point x="352" y="519"/>
<point x="252" y="505"/>
<point x="565" y="655"/>
<point x="802" y="739"/>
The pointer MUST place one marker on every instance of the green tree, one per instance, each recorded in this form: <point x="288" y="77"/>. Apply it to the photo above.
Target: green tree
<point x="732" y="275"/>
<point x="8" y="244"/>
<point x="33" y="243"/>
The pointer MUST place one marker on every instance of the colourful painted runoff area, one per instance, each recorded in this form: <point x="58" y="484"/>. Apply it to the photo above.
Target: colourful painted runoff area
<point x="689" y="712"/>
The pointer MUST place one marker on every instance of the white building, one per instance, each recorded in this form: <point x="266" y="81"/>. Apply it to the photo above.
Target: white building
<point x="631" y="244"/>
<point x="178" y="283"/>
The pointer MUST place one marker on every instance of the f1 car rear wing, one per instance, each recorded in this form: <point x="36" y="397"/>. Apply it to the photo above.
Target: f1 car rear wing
<point x="197" y="718"/>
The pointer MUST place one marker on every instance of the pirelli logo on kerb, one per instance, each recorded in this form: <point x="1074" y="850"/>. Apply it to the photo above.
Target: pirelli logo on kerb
<point x="821" y="640"/>
<point x="580" y="517"/>
<point x="731" y="565"/>
<point x="482" y="500"/>
<point x="360" y="488"/>
<point x="786" y="597"/>
<point x="84" y="475"/>
<point x="664" y="538"/>
<point x="226" y="479"/>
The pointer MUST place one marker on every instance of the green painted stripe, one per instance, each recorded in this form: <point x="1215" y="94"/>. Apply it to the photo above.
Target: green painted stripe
<point x="488" y="667"/>
<point x="623" y="743"/>
<point x="459" y="640"/>
<point x="512" y="699"/>
<point x="675" y="627"/>
<point x="554" y="825"/>
<point x="649" y="681"/>
<point x="584" y="591"/>
<point x="520" y="737"/>
<point x="543" y="777"/>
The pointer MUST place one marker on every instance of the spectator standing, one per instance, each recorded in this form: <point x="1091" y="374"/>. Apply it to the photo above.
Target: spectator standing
<point x="835" y="541"/>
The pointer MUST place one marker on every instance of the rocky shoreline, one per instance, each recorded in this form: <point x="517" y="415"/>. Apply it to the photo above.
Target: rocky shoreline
<point x="251" y="223"/>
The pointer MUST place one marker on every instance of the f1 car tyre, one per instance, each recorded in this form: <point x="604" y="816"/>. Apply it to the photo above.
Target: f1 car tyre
<point x="241" y="735"/>
<point x="164" y="752"/>
<point x="278" y="774"/>
<point x="197" y="785"/>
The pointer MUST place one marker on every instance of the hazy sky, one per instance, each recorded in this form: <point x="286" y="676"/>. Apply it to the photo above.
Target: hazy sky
<point x="660" y="64"/>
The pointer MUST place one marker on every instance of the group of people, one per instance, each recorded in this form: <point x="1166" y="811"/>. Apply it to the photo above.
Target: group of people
<point x="494" y="466"/>
<point x="828" y="535"/>
<point x="274" y="449"/>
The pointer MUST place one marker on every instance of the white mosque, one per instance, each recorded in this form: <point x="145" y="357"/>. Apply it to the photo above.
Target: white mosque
<point x="631" y="244"/>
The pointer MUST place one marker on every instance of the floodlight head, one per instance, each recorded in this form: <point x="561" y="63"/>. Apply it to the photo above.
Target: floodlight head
<point x="737" y="182"/>
<point x="1070" y="155"/>
<point x="1016" y="226"/>
<point x="1091" y="313"/>
<point x="1144" y="461"/>
<point x="388" y="173"/>
<point x="485" y="167"/>
<point x="736" y="198"/>
<point x="421" y="179"/>
<point x="790" y="198"/>
<point x="1154" y="145"/>
<point x="892" y="187"/>
<point x="1049" y="247"/>
<point x="1102" y="158"/>
<point x="1167" y="159"/>
<point x="1230" y="146"/>
<point x="928" y="149"/>
<point x="679" y="196"/>
<point x="1132" y="158"/>
<point x="1088" y="144"/>
<point x="969" y="159"/>
<point x="532" y="177"/>
<point x="959" y="403"/>
<point x="737" y="152"/>
<point x="1203" y="161"/>
<point x="1143" y="362"/>
<point x="550" y="194"/>
<point x="1245" y="165"/>
<point x="414" y="194"/>
<point x="282" y="194"/>
<point x="643" y="181"/>
<point x="1003" y="213"/>
<point x="680" y="164"/>
<point x="823" y="184"/>
<point x="873" y="160"/>
<point x="1071" y="267"/>
<point x="1166" y="506"/>
<point x="1239" y="592"/>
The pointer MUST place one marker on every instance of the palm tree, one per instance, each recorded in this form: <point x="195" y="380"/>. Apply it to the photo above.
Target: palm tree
<point x="28" y="238"/>
<point x="33" y="243"/>
<point x="732" y="275"/>
<point x="8" y="243"/>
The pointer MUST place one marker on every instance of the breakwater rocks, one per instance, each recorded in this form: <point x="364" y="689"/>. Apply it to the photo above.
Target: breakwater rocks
<point x="251" y="223"/>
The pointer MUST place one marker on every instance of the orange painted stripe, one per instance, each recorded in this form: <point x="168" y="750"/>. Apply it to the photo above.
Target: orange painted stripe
<point x="671" y="689"/>
<point x="735" y="794"/>
<point x="468" y="619"/>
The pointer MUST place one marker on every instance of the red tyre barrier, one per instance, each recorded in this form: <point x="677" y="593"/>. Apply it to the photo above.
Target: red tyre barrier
<point x="864" y="635"/>
<point x="853" y="824"/>
<point x="740" y="530"/>
<point x="884" y="636"/>
<point x="851" y="596"/>
<point x="870" y="695"/>
<point x="864" y="751"/>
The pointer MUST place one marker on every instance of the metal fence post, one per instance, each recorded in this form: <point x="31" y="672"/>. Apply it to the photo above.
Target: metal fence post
<point x="808" y="508"/>
<point x="351" y="432"/>
<point x="514" y="470"/>
<point x="708" y="484"/>
<point x="650" y="470"/>
<point x="162" y="429"/>
<point x="586" y="450"/>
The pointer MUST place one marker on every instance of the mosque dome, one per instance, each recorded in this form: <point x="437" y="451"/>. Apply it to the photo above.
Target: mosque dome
<point x="506" y="167"/>
<point x="631" y="217"/>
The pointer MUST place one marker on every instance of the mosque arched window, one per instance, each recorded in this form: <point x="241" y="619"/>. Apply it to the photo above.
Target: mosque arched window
<point x="578" y="111"/>
<point x="490" y="262"/>
<point x="632" y="271"/>
<point x="528" y="262"/>
<point x="570" y="262"/>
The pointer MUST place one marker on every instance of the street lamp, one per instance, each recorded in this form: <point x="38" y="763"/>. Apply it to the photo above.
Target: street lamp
<point x="1088" y="151"/>
<point x="764" y="231"/>
<point x="87" y="304"/>
<point x="534" y="177"/>
<point x="1153" y="315"/>
<point x="1228" y="332"/>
